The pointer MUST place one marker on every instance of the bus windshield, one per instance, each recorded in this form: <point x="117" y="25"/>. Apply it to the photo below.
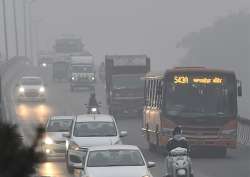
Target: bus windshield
<point x="197" y="95"/>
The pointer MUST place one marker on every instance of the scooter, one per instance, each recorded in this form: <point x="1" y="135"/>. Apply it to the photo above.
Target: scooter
<point x="178" y="163"/>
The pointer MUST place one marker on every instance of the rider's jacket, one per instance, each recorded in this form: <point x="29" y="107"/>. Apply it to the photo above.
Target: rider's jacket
<point x="177" y="141"/>
<point x="92" y="102"/>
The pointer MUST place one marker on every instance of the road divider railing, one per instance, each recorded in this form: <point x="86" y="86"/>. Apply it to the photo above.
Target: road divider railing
<point x="244" y="131"/>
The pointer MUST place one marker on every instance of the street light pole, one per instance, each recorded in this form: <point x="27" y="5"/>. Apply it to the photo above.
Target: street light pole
<point x="30" y="30"/>
<point x="15" y="26"/>
<point x="5" y="30"/>
<point x="25" y="29"/>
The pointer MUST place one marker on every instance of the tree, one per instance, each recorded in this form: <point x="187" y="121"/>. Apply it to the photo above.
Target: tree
<point x="17" y="159"/>
<point x="225" y="44"/>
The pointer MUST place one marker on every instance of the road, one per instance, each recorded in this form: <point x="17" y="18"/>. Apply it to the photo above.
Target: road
<point x="63" y="102"/>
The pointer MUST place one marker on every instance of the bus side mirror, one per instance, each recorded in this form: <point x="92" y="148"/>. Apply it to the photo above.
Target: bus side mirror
<point x="239" y="88"/>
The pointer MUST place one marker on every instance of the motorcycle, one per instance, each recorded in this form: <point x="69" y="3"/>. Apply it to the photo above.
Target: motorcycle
<point x="93" y="109"/>
<point x="178" y="163"/>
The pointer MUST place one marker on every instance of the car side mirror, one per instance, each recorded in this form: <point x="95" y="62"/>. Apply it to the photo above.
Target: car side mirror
<point x="151" y="164"/>
<point x="123" y="133"/>
<point x="66" y="135"/>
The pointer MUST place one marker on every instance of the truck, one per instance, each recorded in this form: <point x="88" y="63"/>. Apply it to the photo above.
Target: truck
<point x="82" y="71"/>
<point x="124" y="84"/>
<point x="61" y="69"/>
<point x="203" y="101"/>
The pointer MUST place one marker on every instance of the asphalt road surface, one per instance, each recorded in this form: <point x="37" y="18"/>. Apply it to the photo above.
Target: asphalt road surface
<point x="63" y="102"/>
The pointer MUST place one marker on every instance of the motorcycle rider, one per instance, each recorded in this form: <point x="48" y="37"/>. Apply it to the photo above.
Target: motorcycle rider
<point x="92" y="103"/>
<point x="176" y="141"/>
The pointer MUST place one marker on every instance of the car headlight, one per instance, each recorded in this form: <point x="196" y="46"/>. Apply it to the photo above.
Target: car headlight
<point x="48" y="141"/>
<point x="181" y="172"/>
<point x="21" y="90"/>
<point x="146" y="176"/>
<point x="42" y="90"/>
<point x="73" y="146"/>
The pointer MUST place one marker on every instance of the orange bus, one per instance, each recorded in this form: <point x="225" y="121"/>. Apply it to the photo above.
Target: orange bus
<point x="203" y="101"/>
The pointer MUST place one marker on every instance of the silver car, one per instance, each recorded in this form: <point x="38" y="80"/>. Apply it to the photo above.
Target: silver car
<point x="31" y="88"/>
<point x="54" y="142"/>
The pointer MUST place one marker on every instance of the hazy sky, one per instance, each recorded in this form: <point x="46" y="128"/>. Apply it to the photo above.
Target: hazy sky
<point x="152" y="27"/>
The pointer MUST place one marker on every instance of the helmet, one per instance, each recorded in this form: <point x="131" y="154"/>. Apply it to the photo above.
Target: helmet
<point x="177" y="131"/>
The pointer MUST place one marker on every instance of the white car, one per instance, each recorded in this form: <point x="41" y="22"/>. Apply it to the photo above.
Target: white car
<point x="54" y="141"/>
<point x="31" y="89"/>
<point x="90" y="130"/>
<point x="116" y="160"/>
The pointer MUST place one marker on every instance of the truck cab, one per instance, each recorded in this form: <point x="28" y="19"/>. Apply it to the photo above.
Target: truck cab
<point x="82" y="72"/>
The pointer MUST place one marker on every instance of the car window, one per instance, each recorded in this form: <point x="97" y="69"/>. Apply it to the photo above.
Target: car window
<point x="62" y="125"/>
<point x="95" y="129"/>
<point x="106" y="158"/>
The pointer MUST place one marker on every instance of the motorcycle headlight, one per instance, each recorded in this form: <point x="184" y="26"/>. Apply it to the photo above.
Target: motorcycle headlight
<point x="21" y="90"/>
<point x="181" y="172"/>
<point x="42" y="90"/>
<point x="146" y="176"/>
<point x="73" y="146"/>
<point x="93" y="110"/>
<point x="93" y="78"/>
<point x="44" y="64"/>
<point x="73" y="78"/>
<point x="48" y="141"/>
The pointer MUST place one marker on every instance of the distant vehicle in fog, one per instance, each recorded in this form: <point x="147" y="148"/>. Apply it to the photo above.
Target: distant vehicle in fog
<point x="45" y="59"/>
<point x="54" y="142"/>
<point x="116" y="160"/>
<point x="203" y="101"/>
<point x="82" y="71"/>
<point x="31" y="88"/>
<point x="124" y="83"/>
<point x="90" y="130"/>
<point x="61" y="70"/>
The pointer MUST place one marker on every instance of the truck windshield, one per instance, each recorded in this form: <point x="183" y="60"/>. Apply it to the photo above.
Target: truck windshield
<point x="82" y="69"/>
<point x="200" y="95"/>
<point x="127" y="81"/>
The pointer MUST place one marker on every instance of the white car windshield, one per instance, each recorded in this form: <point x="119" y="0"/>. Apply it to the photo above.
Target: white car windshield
<point x="106" y="158"/>
<point x="95" y="129"/>
<point x="31" y="81"/>
<point x="62" y="125"/>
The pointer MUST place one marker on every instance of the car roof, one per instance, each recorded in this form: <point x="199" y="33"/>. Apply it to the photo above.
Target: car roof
<point x="113" y="147"/>
<point x="62" y="117"/>
<point x="31" y="77"/>
<point x="95" y="118"/>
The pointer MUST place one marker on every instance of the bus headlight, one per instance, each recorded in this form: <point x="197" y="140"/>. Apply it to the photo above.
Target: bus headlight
<point x="21" y="90"/>
<point x="42" y="90"/>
